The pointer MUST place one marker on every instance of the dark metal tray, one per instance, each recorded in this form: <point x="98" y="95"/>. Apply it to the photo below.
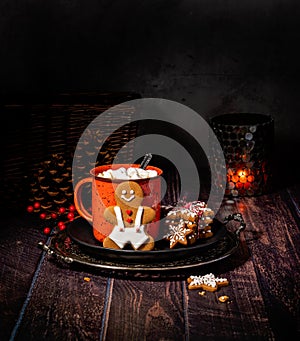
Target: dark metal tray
<point x="81" y="248"/>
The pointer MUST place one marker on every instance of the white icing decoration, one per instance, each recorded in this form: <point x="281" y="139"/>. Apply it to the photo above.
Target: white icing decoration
<point x="127" y="199"/>
<point x="177" y="233"/>
<point x="209" y="280"/>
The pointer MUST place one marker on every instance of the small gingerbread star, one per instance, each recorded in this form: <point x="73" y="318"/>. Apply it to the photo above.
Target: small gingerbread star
<point x="207" y="282"/>
<point x="177" y="234"/>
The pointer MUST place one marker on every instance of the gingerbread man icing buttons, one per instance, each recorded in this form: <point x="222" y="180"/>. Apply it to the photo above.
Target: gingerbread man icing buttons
<point x="129" y="218"/>
<point x="207" y="282"/>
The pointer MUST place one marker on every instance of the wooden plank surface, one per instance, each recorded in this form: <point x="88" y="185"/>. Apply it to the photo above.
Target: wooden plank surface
<point x="244" y="316"/>
<point x="19" y="259"/>
<point x="263" y="292"/>
<point x="276" y="254"/>
<point x="273" y="240"/>
<point x="64" y="306"/>
<point x="146" y="310"/>
<point x="294" y="198"/>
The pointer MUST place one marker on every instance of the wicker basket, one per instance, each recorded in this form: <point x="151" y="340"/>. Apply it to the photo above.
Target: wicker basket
<point x="38" y="128"/>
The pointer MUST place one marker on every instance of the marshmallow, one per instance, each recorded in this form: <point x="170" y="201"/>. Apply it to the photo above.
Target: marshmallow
<point x="127" y="174"/>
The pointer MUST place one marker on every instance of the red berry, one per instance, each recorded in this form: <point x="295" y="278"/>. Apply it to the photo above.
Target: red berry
<point x="43" y="215"/>
<point x="47" y="230"/>
<point x="36" y="205"/>
<point x="70" y="216"/>
<point x="62" y="227"/>
<point x="72" y="208"/>
<point x="30" y="209"/>
<point x="62" y="210"/>
<point x="53" y="215"/>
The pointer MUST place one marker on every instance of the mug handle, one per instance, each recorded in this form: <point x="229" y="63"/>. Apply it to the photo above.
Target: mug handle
<point x="78" y="199"/>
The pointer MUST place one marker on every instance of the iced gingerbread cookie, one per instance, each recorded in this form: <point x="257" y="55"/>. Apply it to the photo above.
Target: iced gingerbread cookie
<point x="181" y="227"/>
<point x="129" y="218"/>
<point x="207" y="282"/>
<point x="179" y="234"/>
<point x="205" y="217"/>
<point x="183" y="214"/>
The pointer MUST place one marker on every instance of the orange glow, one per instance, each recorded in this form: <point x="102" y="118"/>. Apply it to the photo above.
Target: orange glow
<point x="240" y="180"/>
<point x="243" y="179"/>
<point x="235" y="178"/>
<point x="250" y="178"/>
<point x="240" y="172"/>
<point x="241" y="207"/>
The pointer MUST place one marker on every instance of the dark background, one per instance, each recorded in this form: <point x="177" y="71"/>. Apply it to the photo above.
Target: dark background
<point x="213" y="56"/>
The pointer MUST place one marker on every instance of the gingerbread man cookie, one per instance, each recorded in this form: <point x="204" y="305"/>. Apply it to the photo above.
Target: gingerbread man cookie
<point x="129" y="219"/>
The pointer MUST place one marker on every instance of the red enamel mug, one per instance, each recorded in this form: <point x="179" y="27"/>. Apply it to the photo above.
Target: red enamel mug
<point x="103" y="196"/>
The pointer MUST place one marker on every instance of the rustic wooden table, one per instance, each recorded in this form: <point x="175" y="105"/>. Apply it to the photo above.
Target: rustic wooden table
<point x="43" y="299"/>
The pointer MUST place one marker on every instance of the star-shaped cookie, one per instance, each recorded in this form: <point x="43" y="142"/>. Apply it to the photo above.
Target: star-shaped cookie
<point x="178" y="234"/>
<point x="207" y="282"/>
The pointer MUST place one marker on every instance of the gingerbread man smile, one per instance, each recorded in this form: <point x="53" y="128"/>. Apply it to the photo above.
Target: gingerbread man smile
<point x="124" y="192"/>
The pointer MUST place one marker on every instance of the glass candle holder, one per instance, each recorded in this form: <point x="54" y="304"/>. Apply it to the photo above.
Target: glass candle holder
<point x="247" y="142"/>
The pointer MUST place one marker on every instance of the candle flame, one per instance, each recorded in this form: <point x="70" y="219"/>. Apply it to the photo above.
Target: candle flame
<point x="241" y="173"/>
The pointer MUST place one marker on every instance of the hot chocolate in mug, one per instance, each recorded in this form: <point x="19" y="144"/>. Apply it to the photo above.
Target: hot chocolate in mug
<point x="104" y="180"/>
